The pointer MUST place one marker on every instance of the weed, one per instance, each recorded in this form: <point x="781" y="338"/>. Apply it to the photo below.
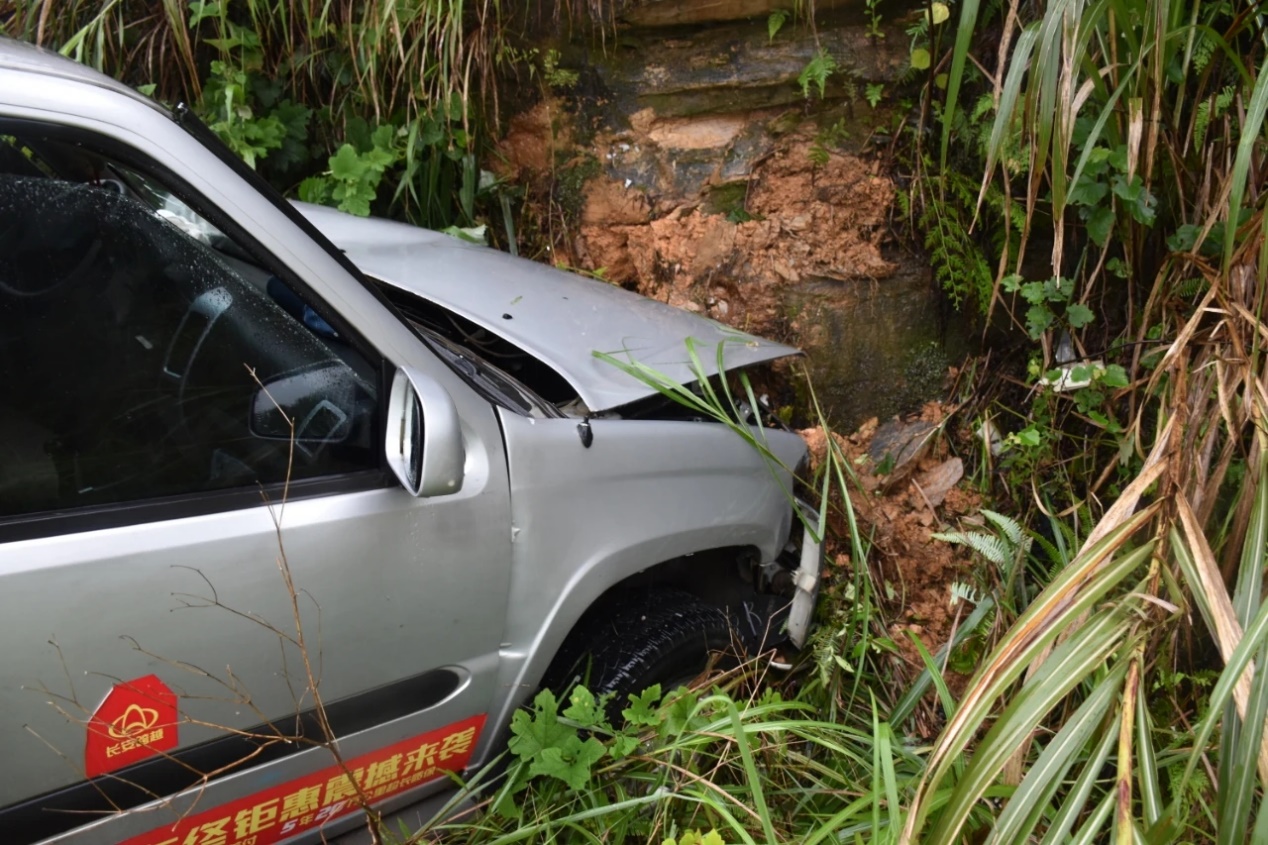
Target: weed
<point x="775" y="22"/>
<point x="872" y="9"/>
<point x="556" y="76"/>
<point x="816" y="72"/>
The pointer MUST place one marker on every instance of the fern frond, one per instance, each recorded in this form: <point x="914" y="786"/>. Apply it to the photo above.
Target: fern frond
<point x="997" y="550"/>
<point x="1009" y="527"/>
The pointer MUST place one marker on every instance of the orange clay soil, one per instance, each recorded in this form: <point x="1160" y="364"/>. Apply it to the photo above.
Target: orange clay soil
<point x="912" y="573"/>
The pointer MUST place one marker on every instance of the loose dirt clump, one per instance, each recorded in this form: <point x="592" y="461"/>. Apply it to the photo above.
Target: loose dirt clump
<point x="797" y="220"/>
<point x="532" y="141"/>
<point x="911" y="572"/>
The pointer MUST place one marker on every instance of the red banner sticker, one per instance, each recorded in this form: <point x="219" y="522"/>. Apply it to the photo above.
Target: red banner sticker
<point x="308" y="802"/>
<point x="136" y="720"/>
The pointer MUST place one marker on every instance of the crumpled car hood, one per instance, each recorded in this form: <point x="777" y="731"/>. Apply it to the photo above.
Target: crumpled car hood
<point x="561" y="318"/>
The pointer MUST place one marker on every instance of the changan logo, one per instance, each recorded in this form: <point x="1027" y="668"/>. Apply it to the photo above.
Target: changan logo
<point x="135" y="720"/>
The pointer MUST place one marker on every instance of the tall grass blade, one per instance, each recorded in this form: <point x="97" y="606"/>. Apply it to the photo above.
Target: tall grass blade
<point x="1075" y="590"/>
<point x="1246" y="146"/>
<point x="1091" y="829"/>
<point x="1230" y="678"/>
<point x="1071" y="809"/>
<point x="1070" y="663"/>
<point x="1047" y="774"/>
<point x="1004" y="113"/>
<point x="750" y="770"/>
<point x="1147" y="764"/>
<point x="1238" y="786"/>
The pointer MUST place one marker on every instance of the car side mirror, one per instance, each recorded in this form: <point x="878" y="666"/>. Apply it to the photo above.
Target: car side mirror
<point x="424" y="437"/>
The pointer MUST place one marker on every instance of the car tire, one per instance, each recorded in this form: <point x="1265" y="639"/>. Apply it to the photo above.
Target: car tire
<point x="658" y="637"/>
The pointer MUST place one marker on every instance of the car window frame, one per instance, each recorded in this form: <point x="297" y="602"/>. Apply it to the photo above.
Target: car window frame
<point x="201" y="503"/>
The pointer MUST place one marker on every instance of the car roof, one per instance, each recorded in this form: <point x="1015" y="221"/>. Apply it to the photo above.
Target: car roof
<point x="28" y="58"/>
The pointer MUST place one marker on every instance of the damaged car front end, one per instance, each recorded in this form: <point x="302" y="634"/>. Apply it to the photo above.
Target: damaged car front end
<point x="602" y="456"/>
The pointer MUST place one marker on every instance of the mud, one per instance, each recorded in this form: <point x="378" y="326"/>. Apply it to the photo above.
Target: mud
<point x="912" y="573"/>
<point x="794" y="219"/>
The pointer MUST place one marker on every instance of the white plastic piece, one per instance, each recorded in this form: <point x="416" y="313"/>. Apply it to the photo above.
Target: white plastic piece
<point x="806" y="581"/>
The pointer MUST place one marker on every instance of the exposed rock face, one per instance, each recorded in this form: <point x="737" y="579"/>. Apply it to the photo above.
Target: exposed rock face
<point x="739" y="67"/>
<point x="713" y="183"/>
<point x="656" y="13"/>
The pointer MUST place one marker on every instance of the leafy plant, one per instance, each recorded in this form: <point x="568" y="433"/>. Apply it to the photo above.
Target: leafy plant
<point x="426" y="68"/>
<point x="352" y="181"/>
<point x="872" y="8"/>
<point x="1048" y="300"/>
<point x="816" y="73"/>
<point x="938" y="208"/>
<point x="775" y="22"/>
<point x="556" y="76"/>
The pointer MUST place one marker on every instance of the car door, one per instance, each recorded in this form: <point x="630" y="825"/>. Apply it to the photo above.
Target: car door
<point x="206" y="571"/>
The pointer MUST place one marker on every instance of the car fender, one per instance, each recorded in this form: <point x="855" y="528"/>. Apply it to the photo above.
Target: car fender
<point x="644" y="492"/>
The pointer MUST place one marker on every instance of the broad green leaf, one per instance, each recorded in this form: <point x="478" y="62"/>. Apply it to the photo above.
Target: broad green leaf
<point x="642" y="709"/>
<point x="569" y="761"/>
<point x="346" y="164"/>
<point x="775" y="22"/>
<point x="680" y="713"/>
<point x="1115" y="376"/>
<point x="583" y="708"/>
<point x="1088" y="192"/>
<point x="623" y="745"/>
<point x="1079" y="315"/>
<point x="1029" y="436"/>
<point x="315" y="189"/>
<point x="1100" y="223"/>
<point x="1139" y="202"/>
<point x="534" y="732"/>
<point x="1038" y="318"/>
<point x="920" y="58"/>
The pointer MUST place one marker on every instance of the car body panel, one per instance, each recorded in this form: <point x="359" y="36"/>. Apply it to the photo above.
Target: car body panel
<point x="560" y="318"/>
<point x="42" y="64"/>
<point x="585" y="517"/>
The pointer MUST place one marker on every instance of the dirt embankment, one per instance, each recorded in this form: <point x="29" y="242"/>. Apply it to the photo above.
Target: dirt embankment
<point x="801" y="210"/>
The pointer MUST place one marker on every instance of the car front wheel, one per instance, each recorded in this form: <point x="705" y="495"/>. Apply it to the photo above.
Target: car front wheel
<point x="656" y="637"/>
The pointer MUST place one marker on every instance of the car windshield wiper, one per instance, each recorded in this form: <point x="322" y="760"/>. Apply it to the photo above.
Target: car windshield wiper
<point x="479" y="373"/>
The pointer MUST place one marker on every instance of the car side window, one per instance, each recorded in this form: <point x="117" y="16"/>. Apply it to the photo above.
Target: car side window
<point x="144" y="354"/>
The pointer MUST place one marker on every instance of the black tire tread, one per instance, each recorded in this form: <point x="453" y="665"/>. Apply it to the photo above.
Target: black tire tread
<point x="659" y="636"/>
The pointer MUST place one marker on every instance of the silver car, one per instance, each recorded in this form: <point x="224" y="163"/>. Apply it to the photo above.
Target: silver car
<point x="254" y="452"/>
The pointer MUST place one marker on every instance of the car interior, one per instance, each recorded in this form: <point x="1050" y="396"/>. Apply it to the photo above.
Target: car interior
<point x="145" y="354"/>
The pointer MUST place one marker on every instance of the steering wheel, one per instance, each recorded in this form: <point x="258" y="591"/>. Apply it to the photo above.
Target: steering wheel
<point x="32" y="264"/>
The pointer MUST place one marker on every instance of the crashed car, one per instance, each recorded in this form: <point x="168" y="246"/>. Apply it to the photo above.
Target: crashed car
<point x="253" y="453"/>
